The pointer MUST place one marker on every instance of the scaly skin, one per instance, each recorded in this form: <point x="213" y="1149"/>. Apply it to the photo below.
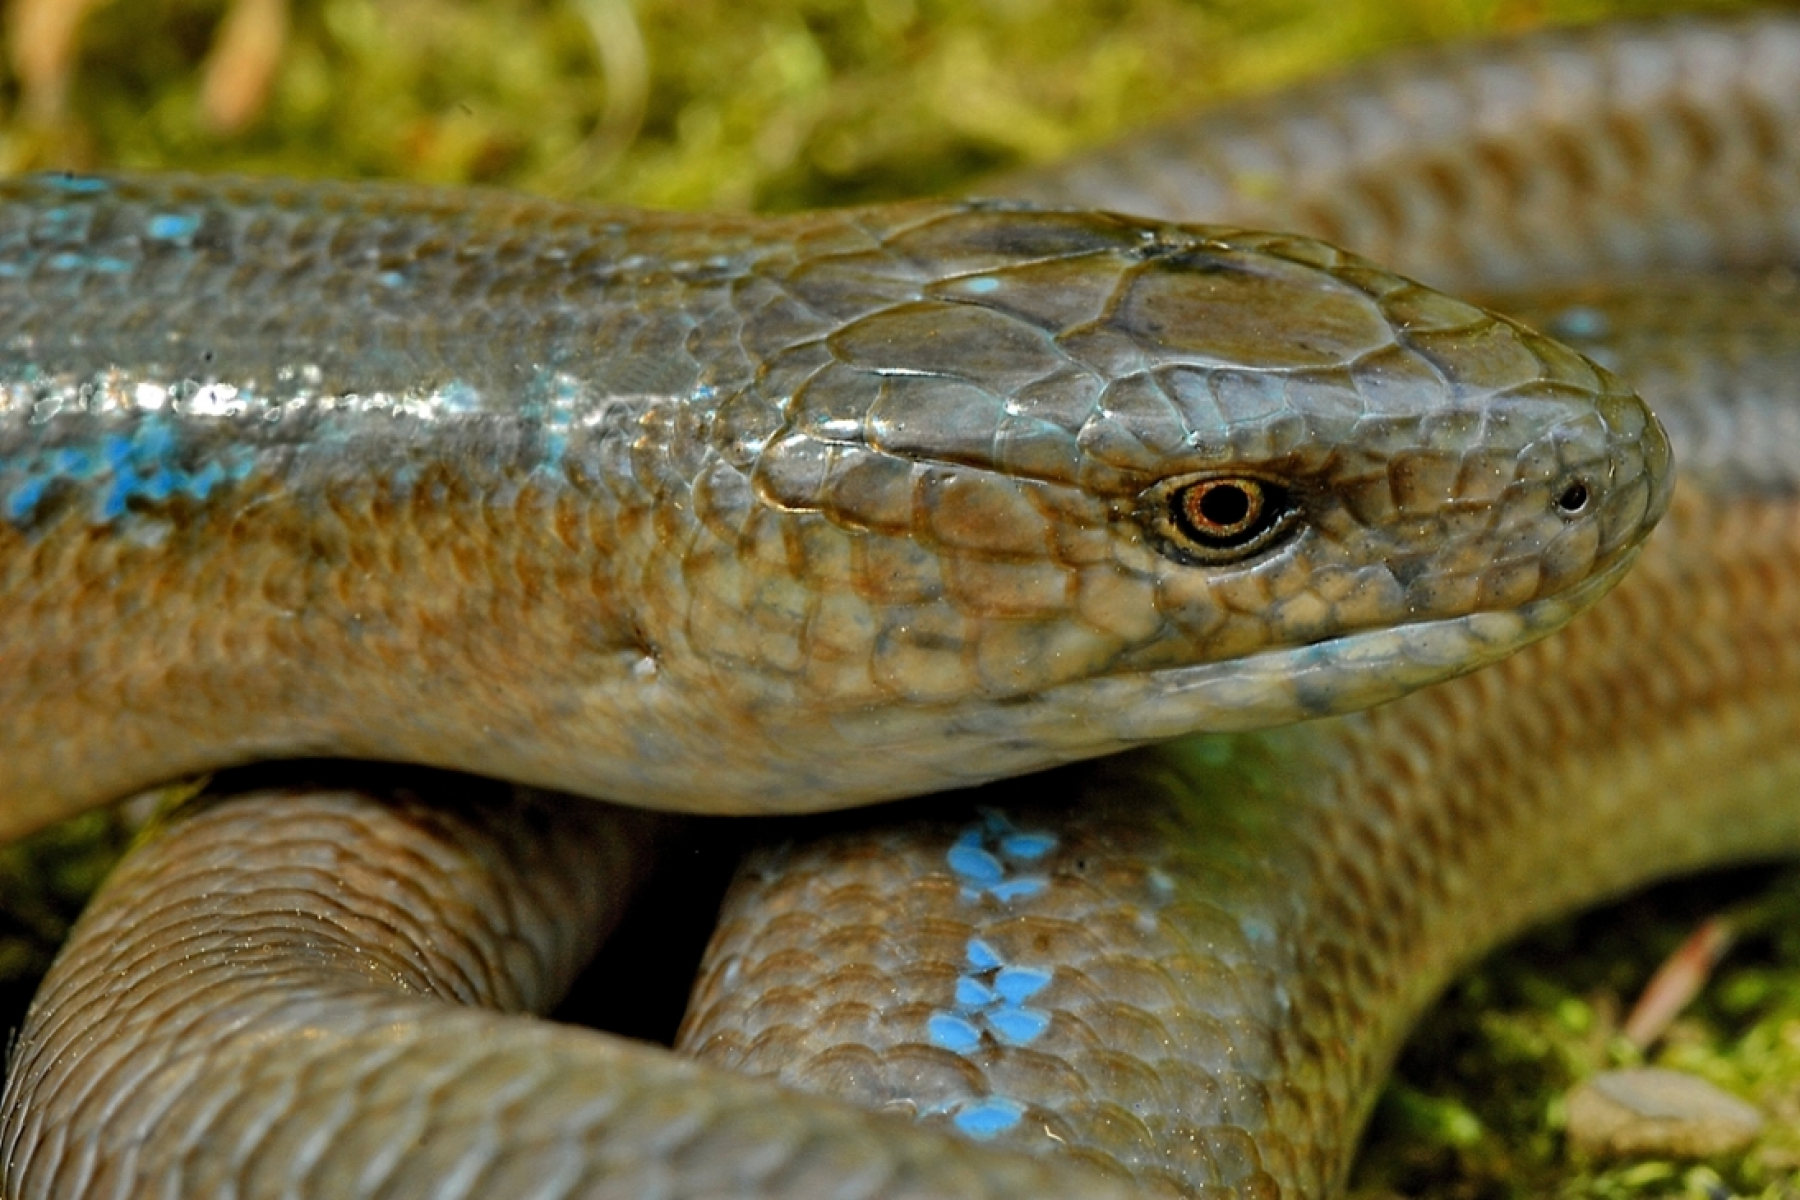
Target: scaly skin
<point x="1277" y="909"/>
<point x="1268" y="912"/>
<point x="585" y="498"/>
<point x="1578" y="154"/>
<point x="1227" y="939"/>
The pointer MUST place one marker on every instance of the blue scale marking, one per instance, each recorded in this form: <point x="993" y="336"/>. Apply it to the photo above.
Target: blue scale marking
<point x="64" y="181"/>
<point x="551" y="397"/>
<point x="122" y="467"/>
<point x="72" y="260"/>
<point x="172" y="227"/>
<point x="974" y="863"/>
<point x="1018" y="984"/>
<point x="1027" y="847"/>
<point x="161" y="485"/>
<point x="988" y="1117"/>
<point x="1017" y="889"/>
<point x="66" y="460"/>
<point x="990" y="995"/>
<point x="23" y="499"/>
<point x="55" y="222"/>
<point x="1018" y="1026"/>
<point x="972" y="993"/>
<point x="556" y="446"/>
<point x="116" y="448"/>
<point x="980" y="955"/>
<point x="459" y="396"/>
<point x="952" y="1033"/>
<point x="986" y="854"/>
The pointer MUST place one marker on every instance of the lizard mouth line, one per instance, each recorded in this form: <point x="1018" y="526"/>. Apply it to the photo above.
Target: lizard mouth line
<point x="1325" y="678"/>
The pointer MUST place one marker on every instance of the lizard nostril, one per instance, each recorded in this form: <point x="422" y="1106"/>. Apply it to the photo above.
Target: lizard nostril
<point x="1574" y="498"/>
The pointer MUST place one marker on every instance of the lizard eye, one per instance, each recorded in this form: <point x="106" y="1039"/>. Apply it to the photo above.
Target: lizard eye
<point x="1218" y="519"/>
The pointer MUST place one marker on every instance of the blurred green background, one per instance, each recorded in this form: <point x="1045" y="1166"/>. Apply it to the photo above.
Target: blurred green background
<point x="795" y="103"/>
<point x="690" y="103"/>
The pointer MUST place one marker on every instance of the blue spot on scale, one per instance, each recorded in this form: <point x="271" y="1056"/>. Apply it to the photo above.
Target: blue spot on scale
<point x="1016" y="984"/>
<point x="1018" y="1026"/>
<point x="972" y="993"/>
<point x="1027" y="847"/>
<point x="159" y="485"/>
<point x="995" y="822"/>
<point x="172" y="227"/>
<point x="981" y="956"/>
<point x="65" y="181"/>
<point x="202" y="482"/>
<point x="1017" y="889"/>
<point x="459" y="396"/>
<point x="973" y="863"/>
<point x="980" y="285"/>
<point x="950" y="1032"/>
<point x="153" y="439"/>
<point x="71" y="461"/>
<point x="23" y="500"/>
<point x="989" y="1117"/>
<point x="119" y="467"/>
<point x="112" y="502"/>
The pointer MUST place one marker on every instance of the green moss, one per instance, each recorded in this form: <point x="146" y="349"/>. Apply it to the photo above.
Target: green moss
<point x="1478" y="1109"/>
<point x="755" y="103"/>
<point x="791" y="103"/>
<point x="43" y="883"/>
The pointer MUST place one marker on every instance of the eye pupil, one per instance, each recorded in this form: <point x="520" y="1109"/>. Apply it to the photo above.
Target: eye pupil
<point x="1223" y="505"/>
<point x="1574" y="497"/>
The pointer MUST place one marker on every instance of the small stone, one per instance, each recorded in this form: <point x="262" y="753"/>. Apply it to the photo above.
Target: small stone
<point x="1649" y="1112"/>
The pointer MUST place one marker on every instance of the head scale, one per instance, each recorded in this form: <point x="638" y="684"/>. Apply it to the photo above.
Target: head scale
<point x="1052" y="483"/>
